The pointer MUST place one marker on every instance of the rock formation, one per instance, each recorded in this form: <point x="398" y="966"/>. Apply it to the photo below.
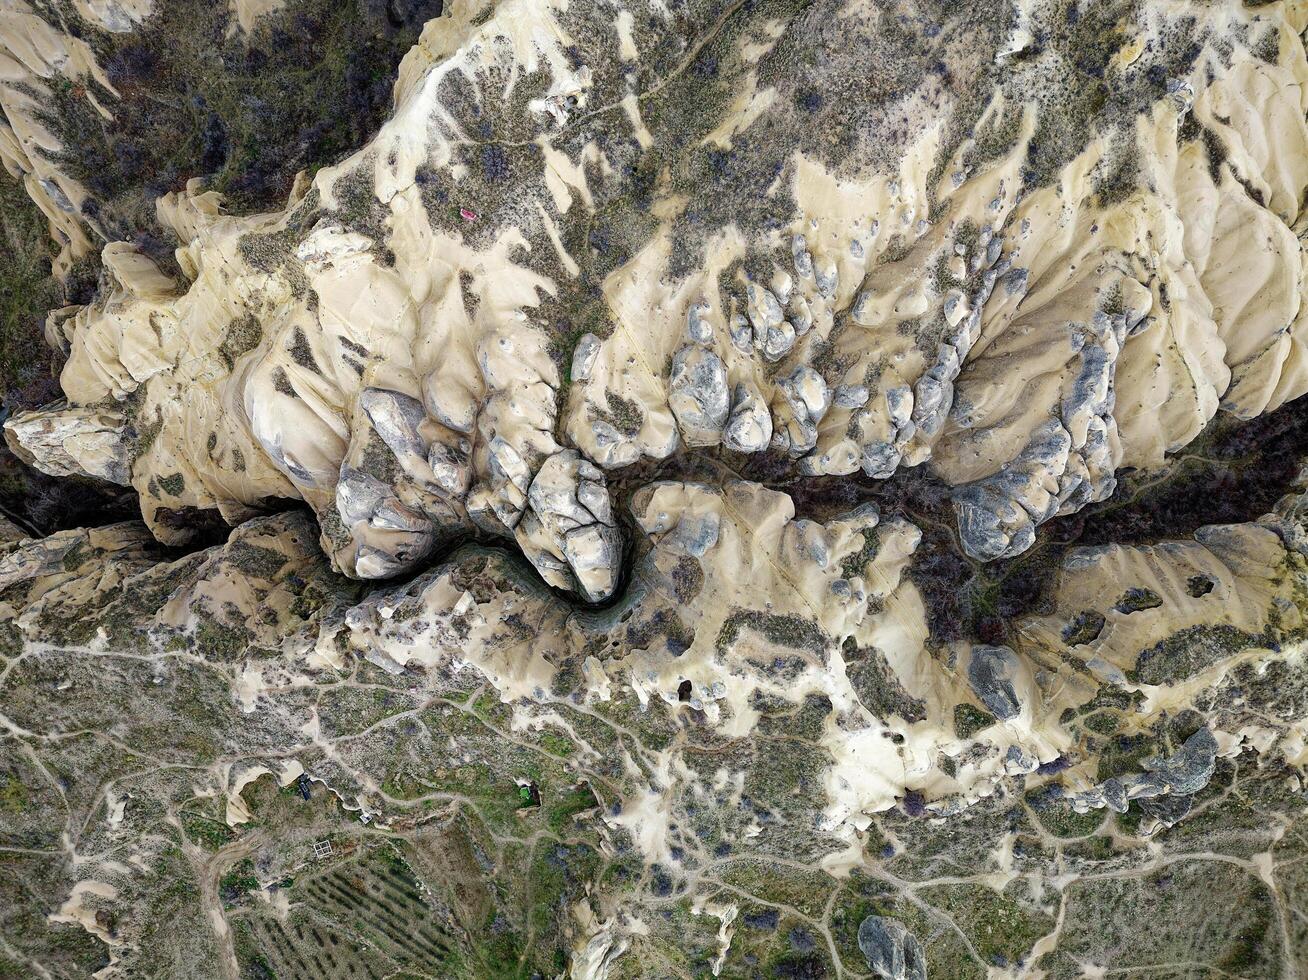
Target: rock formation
<point x="711" y="490"/>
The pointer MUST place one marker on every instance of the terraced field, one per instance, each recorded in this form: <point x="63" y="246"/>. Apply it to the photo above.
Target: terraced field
<point x="362" y="916"/>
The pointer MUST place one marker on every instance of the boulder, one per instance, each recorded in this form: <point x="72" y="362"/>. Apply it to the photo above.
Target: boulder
<point x="697" y="395"/>
<point x="892" y="952"/>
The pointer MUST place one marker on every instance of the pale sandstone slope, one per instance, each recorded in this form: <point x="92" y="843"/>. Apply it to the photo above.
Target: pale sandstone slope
<point x="381" y="349"/>
<point x="582" y="297"/>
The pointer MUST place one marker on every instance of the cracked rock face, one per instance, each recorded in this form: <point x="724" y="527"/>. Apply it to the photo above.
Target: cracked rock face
<point x="892" y="951"/>
<point x="567" y="531"/>
<point x="992" y="672"/>
<point x="698" y="396"/>
<point x="696" y="504"/>
<point x="869" y="330"/>
<point x="73" y="442"/>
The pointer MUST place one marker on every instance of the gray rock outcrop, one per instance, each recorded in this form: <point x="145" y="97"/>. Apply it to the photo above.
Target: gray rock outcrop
<point x="698" y="396"/>
<point x="567" y="530"/>
<point x="892" y="951"/>
<point x="991" y="671"/>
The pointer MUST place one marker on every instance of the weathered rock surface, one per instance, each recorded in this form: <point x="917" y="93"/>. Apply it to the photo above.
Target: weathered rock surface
<point x="73" y="442"/>
<point x="892" y="951"/>
<point x="567" y="531"/>
<point x="602" y="351"/>
<point x="902" y="326"/>
<point x="698" y="396"/>
<point x="992" y="672"/>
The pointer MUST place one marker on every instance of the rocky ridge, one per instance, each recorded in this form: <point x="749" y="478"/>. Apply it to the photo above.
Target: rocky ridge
<point x="590" y="369"/>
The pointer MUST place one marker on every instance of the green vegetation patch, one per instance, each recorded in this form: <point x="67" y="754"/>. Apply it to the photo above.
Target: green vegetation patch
<point x="786" y="631"/>
<point x="1138" y="600"/>
<point x="969" y="719"/>
<point x="215" y="640"/>
<point x="1085" y="627"/>
<point x="777" y="884"/>
<point x="348" y="710"/>
<point x="243" y="335"/>
<point x="1190" y="651"/>
<point x="27" y="289"/>
<point x="237" y="882"/>
<point x="1002" y="930"/>
<point x="256" y="560"/>
<point x="1197" y="911"/>
<point x="877" y="685"/>
<point x="309" y="85"/>
<point x="209" y="833"/>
